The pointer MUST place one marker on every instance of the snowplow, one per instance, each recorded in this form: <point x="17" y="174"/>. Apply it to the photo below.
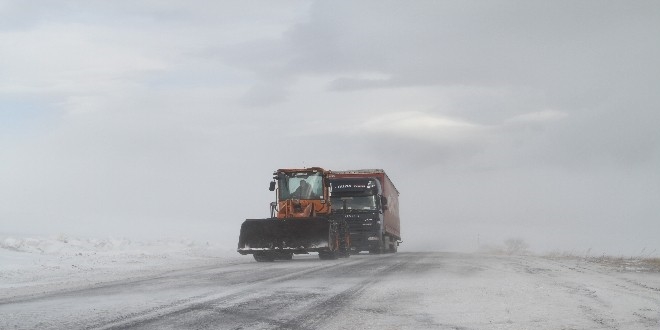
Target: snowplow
<point x="301" y="220"/>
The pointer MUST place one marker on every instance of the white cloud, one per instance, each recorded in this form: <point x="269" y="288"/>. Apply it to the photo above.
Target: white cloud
<point x="424" y="126"/>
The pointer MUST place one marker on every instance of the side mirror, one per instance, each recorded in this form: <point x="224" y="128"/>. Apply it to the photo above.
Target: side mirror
<point x="383" y="201"/>
<point x="272" y="186"/>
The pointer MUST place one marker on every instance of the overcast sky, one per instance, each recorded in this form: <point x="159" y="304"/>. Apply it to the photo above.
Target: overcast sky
<point x="537" y="120"/>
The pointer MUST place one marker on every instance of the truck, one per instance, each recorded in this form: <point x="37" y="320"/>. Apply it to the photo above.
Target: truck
<point x="369" y="202"/>
<point x="301" y="220"/>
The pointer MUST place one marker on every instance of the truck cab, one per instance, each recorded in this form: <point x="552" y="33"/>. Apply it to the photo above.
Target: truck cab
<point x="361" y="202"/>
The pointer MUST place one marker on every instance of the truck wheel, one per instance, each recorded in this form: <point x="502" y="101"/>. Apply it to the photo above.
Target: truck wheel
<point x="388" y="247"/>
<point x="263" y="257"/>
<point x="393" y="248"/>
<point x="381" y="247"/>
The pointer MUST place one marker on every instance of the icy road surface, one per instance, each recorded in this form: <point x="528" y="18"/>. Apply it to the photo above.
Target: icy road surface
<point x="400" y="291"/>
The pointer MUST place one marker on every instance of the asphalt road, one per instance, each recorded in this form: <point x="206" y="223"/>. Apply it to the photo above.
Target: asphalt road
<point x="399" y="291"/>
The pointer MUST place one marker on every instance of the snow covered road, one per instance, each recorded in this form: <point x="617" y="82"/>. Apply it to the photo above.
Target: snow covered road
<point x="401" y="291"/>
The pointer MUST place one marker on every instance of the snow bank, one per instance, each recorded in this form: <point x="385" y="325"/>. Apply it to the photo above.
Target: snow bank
<point x="46" y="263"/>
<point x="63" y="245"/>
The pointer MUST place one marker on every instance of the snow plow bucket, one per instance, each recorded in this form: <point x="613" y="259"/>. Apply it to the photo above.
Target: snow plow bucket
<point x="293" y="235"/>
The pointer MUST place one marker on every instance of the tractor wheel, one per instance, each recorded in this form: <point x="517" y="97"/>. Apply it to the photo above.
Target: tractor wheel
<point x="328" y="255"/>
<point x="284" y="256"/>
<point x="263" y="257"/>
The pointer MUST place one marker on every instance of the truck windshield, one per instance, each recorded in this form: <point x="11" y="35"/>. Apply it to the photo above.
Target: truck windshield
<point x="354" y="203"/>
<point x="301" y="185"/>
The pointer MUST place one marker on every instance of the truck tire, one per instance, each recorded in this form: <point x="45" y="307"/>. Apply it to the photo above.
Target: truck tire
<point x="390" y="245"/>
<point x="381" y="247"/>
<point x="394" y="247"/>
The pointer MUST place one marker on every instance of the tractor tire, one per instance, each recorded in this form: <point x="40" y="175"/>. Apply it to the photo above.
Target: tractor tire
<point x="264" y="257"/>
<point x="328" y="255"/>
<point x="284" y="256"/>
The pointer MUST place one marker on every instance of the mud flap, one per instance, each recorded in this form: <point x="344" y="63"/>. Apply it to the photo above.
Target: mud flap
<point x="298" y="235"/>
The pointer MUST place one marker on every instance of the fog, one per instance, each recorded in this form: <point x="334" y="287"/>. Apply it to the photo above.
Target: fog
<point x="511" y="119"/>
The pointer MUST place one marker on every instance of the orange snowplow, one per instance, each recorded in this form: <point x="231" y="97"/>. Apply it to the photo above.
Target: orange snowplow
<point x="301" y="220"/>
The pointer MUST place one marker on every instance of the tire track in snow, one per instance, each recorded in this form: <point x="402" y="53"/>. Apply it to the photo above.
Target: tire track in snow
<point x="318" y="314"/>
<point x="146" y="318"/>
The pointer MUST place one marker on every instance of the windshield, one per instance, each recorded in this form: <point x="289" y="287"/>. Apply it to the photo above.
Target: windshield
<point x="354" y="203"/>
<point x="301" y="185"/>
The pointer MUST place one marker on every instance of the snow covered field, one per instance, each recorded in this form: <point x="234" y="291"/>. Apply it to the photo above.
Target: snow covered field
<point x="65" y="282"/>
<point x="38" y="264"/>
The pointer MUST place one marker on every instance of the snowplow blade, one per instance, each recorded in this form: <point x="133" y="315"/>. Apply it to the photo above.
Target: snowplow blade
<point x="294" y="235"/>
